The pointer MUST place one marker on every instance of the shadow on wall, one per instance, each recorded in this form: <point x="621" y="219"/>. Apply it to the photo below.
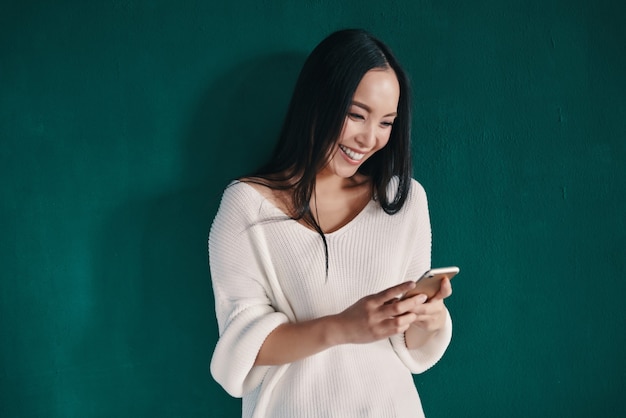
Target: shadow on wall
<point x="153" y="321"/>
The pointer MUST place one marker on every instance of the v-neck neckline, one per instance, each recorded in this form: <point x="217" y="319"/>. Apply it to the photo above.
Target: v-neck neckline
<point x="335" y="232"/>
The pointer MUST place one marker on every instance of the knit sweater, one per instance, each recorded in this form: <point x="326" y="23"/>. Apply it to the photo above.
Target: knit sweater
<point x="268" y="269"/>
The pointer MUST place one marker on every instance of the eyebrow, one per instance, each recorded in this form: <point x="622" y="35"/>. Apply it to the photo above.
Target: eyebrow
<point x="368" y="109"/>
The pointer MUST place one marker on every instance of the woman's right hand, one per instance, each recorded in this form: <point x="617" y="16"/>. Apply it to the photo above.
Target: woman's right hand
<point x="372" y="318"/>
<point x="375" y="317"/>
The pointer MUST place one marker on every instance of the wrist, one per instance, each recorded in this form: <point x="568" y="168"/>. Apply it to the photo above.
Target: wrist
<point x="332" y="331"/>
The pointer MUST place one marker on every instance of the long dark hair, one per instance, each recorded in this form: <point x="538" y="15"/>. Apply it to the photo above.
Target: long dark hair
<point x="315" y="117"/>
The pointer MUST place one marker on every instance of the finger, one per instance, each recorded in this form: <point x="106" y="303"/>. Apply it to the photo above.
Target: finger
<point x="398" y="324"/>
<point x="413" y="304"/>
<point x="426" y="325"/>
<point x="445" y="290"/>
<point x="419" y="306"/>
<point x="431" y="321"/>
<point x="419" y="298"/>
<point x="430" y="309"/>
<point x="394" y="292"/>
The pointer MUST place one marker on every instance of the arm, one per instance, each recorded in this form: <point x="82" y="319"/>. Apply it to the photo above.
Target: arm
<point x="425" y="342"/>
<point x="254" y="332"/>
<point x="243" y="299"/>
<point x="370" y="319"/>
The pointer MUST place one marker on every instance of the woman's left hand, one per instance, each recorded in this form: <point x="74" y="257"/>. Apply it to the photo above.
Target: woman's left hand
<point x="430" y="315"/>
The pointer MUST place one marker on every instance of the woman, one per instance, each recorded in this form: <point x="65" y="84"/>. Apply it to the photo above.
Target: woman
<point x="309" y="254"/>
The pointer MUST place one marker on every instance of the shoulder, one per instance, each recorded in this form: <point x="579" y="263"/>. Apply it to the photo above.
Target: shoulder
<point x="416" y="198"/>
<point x="276" y="195"/>
<point x="238" y="191"/>
<point x="239" y="207"/>
<point x="415" y="211"/>
<point x="261" y="187"/>
<point x="251" y="199"/>
<point x="239" y="199"/>
<point x="415" y="190"/>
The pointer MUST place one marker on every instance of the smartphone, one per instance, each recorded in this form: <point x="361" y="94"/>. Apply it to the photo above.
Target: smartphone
<point x="430" y="281"/>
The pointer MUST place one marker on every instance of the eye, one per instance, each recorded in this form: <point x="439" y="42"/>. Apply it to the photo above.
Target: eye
<point x="387" y="124"/>
<point x="356" y="116"/>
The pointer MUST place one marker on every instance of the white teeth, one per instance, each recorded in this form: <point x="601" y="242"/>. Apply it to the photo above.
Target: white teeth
<point x="353" y="155"/>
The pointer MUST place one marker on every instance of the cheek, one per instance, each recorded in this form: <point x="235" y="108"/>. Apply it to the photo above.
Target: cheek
<point x="346" y="130"/>
<point x="383" y="140"/>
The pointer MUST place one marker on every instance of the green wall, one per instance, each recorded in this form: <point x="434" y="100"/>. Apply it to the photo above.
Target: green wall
<point x="121" y="122"/>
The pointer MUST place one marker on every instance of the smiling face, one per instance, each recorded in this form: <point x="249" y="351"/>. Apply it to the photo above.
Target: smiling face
<point x="368" y="123"/>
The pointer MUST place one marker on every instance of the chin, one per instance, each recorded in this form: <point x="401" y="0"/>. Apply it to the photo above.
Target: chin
<point x="346" y="173"/>
<point x="342" y="169"/>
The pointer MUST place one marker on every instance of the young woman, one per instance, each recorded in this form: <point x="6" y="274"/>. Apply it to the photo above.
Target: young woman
<point x="309" y="254"/>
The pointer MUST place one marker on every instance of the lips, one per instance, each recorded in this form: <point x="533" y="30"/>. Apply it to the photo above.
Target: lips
<point x="353" y="155"/>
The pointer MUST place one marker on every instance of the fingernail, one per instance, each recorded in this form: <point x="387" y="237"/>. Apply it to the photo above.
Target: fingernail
<point x="422" y="298"/>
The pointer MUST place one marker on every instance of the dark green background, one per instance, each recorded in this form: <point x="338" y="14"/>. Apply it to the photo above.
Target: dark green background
<point x="122" y="121"/>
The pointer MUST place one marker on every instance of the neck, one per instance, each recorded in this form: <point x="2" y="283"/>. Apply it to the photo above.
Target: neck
<point x="332" y="183"/>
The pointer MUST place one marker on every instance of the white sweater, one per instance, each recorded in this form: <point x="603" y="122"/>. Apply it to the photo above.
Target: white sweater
<point x="268" y="269"/>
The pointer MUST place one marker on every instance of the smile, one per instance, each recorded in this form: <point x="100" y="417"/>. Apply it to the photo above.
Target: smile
<point x="353" y="155"/>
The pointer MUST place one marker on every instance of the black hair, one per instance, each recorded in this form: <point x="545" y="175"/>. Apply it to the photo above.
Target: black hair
<point x="315" y="117"/>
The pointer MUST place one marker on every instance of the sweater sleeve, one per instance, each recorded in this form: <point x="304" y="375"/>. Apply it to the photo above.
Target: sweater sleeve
<point x="243" y="297"/>
<point x="423" y="358"/>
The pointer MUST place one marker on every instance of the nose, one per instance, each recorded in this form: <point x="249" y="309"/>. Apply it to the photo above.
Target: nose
<point x="367" y="137"/>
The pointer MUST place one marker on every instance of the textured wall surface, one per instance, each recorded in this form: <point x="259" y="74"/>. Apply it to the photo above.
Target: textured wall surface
<point x="121" y="122"/>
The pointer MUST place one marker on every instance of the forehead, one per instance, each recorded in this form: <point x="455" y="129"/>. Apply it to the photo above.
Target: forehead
<point x="379" y="88"/>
